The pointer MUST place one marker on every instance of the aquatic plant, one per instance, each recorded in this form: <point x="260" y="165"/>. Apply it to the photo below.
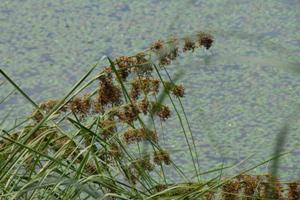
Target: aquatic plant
<point x="93" y="145"/>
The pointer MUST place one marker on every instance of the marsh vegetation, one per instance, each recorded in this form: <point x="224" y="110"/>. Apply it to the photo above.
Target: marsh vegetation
<point x="104" y="139"/>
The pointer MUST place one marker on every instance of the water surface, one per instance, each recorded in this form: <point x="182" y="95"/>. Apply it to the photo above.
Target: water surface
<point x="240" y="84"/>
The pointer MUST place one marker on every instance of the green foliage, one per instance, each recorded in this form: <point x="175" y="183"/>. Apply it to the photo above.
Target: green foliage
<point x="108" y="143"/>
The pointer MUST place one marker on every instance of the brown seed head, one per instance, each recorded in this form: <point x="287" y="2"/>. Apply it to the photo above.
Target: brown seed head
<point x="178" y="90"/>
<point x="205" y="40"/>
<point x="275" y="186"/>
<point x="134" y="93"/>
<point x="143" y="66"/>
<point x="250" y="184"/>
<point x="137" y="135"/>
<point x="209" y="196"/>
<point x="145" y="85"/>
<point x="164" y="112"/>
<point x="124" y="63"/>
<point x="109" y="93"/>
<point x="75" y="104"/>
<point x="293" y="191"/>
<point x="80" y="105"/>
<point x="144" y="106"/>
<point x="128" y="113"/>
<point x="108" y="70"/>
<point x="48" y="105"/>
<point x="189" y="45"/>
<point x="162" y="156"/>
<point x="157" y="45"/>
<point x="164" y="60"/>
<point x="98" y="108"/>
<point x="155" y="85"/>
<point x="230" y="190"/>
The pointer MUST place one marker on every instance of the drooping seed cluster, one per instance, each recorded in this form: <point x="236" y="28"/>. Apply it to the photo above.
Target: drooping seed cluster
<point x="250" y="183"/>
<point x="162" y="111"/>
<point x="205" y="39"/>
<point x="46" y="106"/>
<point x="242" y="187"/>
<point x="80" y="105"/>
<point x="293" y="191"/>
<point x="230" y="190"/>
<point x="168" y="51"/>
<point x="124" y="63"/>
<point x="117" y="108"/>
<point x="248" y="186"/>
<point x="143" y="106"/>
<point x="108" y="92"/>
<point x="144" y="85"/>
<point x="137" y="135"/>
<point x="176" y="90"/>
<point x="142" y="66"/>
<point x="128" y="113"/>
<point x="162" y="156"/>
<point x="136" y="72"/>
<point x="189" y="44"/>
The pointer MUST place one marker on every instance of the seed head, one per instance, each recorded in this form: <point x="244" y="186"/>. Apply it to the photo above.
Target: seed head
<point x="144" y="106"/>
<point x="189" y="45"/>
<point x="164" y="113"/>
<point x="164" y="60"/>
<point x="162" y="156"/>
<point x="293" y="191"/>
<point x="157" y="45"/>
<point x="178" y="90"/>
<point x="205" y="39"/>
<point x="108" y="93"/>
<point x="137" y="135"/>
<point x="124" y="63"/>
<point x="80" y="105"/>
<point x="250" y="184"/>
<point x="209" y="196"/>
<point x="128" y="113"/>
<point x="145" y="85"/>
<point x="230" y="190"/>
<point x="143" y="66"/>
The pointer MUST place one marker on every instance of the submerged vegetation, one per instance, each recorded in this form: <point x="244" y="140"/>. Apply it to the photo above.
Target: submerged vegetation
<point x="106" y="143"/>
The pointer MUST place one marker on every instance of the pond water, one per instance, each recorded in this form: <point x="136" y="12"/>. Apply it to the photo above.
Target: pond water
<point x="239" y="93"/>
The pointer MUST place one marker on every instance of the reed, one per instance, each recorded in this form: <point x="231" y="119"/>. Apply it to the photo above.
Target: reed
<point x="93" y="145"/>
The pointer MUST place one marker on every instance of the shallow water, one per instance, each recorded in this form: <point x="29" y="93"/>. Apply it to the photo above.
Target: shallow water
<point x="241" y="83"/>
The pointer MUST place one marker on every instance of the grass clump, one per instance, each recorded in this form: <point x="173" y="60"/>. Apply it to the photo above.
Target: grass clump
<point x="91" y="145"/>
